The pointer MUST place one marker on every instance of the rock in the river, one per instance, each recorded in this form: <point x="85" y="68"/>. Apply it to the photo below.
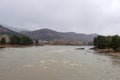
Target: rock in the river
<point x="79" y="49"/>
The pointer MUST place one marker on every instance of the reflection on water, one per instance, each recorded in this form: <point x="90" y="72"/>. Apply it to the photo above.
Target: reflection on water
<point x="57" y="63"/>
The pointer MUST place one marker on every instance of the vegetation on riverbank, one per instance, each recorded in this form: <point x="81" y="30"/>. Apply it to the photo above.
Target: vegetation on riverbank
<point x="15" y="40"/>
<point x="110" y="42"/>
<point x="21" y="40"/>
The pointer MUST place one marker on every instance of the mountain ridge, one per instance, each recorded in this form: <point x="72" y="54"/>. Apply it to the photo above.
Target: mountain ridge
<point x="50" y="35"/>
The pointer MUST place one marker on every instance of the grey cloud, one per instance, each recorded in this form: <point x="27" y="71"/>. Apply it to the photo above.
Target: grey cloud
<point x="82" y="16"/>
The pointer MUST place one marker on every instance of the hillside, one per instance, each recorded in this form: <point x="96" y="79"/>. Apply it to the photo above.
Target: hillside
<point x="4" y="30"/>
<point x="50" y="35"/>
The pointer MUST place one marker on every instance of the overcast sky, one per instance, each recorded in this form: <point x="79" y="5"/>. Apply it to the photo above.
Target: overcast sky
<point x="82" y="16"/>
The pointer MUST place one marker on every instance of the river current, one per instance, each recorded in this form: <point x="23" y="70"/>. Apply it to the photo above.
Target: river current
<point x="57" y="63"/>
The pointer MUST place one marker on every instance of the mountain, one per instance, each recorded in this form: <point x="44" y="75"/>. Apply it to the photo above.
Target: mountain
<point x="4" y="30"/>
<point x="50" y="35"/>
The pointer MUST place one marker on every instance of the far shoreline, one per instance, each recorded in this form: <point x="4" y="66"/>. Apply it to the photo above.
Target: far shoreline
<point x="8" y="46"/>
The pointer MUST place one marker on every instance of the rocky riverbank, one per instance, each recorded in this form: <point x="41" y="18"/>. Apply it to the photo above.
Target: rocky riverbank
<point x="106" y="51"/>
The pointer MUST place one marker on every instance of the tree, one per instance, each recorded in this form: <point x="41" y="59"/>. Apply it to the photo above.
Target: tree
<point x="107" y="42"/>
<point x="115" y="42"/>
<point x="26" y="40"/>
<point x="3" y="41"/>
<point x="21" y="40"/>
<point x="100" y="42"/>
<point x="95" y="41"/>
<point x="15" y="39"/>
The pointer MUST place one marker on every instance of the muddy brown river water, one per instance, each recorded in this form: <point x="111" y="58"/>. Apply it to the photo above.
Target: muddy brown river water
<point x="57" y="63"/>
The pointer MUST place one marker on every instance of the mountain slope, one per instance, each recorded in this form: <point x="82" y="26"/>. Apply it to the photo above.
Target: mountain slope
<point x="50" y="35"/>
<point x="4" y="30"/>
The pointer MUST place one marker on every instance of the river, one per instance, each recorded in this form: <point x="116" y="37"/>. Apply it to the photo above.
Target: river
<point x="57" y="63"/>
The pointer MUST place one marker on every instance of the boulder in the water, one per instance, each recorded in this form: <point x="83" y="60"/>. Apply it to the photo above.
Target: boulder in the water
<point x="80" y="49"/>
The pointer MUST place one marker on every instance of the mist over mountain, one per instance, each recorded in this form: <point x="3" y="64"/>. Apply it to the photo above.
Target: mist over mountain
<point x="5" y="30"/>
<point x="18" y="29"/>
<point x="50" y="35"/>
<point x="15" y="29"/>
